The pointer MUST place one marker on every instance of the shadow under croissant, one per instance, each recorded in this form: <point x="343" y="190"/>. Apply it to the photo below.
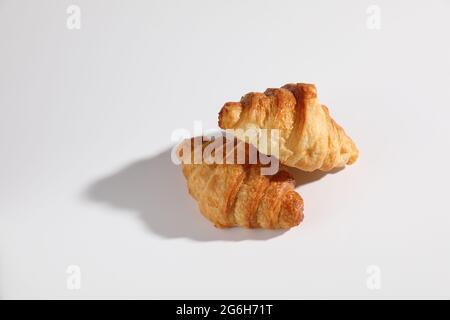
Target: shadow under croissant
<point x="156" y="189"/>
<point x="303" y="177"/>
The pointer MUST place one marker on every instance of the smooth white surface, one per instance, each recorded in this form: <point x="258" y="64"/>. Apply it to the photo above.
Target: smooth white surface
<point x="85" y="126"/>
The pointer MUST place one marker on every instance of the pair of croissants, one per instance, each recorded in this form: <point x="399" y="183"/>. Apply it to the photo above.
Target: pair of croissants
<point x="235" y="193"/>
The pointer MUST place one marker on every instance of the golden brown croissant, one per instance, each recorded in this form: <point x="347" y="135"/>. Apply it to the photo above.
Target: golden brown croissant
<point x="238" y="194"/>
<point x="309" y="138"/>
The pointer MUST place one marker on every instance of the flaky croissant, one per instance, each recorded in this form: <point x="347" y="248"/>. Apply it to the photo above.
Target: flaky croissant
<point x="309" y="138"/>
<point x="232" y="195"/>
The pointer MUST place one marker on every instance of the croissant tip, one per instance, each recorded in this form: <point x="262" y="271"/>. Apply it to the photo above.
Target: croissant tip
<point x="229" y="115"/>
<point x="292" y="211"/>
<point x="354" y="153"/>
<point x="221" y="117"/>
<point x="353" y="158"/>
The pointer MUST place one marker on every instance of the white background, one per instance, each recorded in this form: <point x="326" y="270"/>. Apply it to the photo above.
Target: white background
<point x="85" y="133"/>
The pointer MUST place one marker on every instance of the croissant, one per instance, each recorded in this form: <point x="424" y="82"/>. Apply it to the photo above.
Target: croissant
<point x="309" y="138"/>
<point x="236" y="194"/>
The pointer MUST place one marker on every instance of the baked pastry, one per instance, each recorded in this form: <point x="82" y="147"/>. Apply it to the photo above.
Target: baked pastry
<point x="238" y="194"/>
<point x="309" y="138"/>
